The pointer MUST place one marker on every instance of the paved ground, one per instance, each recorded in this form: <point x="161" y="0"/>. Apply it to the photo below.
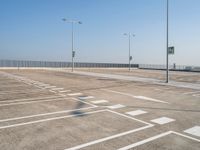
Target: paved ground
<point x="190" y="77"/>
<point x="43" y="109"/>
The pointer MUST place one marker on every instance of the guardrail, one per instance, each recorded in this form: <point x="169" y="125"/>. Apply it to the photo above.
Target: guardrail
<point x="171" y="67"/>
<point x="50" y="64"/>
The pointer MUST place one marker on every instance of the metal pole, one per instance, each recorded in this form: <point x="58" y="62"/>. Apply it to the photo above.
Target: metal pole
<point x="72" y="46"/>
<point x="167" y="59"/>
<point x="129" y="52"/>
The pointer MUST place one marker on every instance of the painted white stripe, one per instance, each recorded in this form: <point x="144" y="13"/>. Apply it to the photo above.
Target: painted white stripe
<point x="194" y="92"/>
<point x="83" y="102"/>
<point x="189" y="137"/>
<point x="162" y="120"/>
<point x="30" y="102"/>
<point x="130" y="117"/>
<point x="49" y="87"/>
<point x="150" y="99"/>
<point x="85" y="97"/>
<point x="29" y="99"/>
<point x="145" y="141"/>
<point x="49" y="119"/>
<point x="45" y="114"/>
<point x="44" y="85"/>
<point x="52" y="91"/>
<point x="74" y="94"/>
<point x="136" y="112"/>
<point x="116" y="106"/>
<point x="56" y="89"/>
<point x="138" y="97"/>
<point x="156" y="137"/>
<point x="99" y="101"/>
<point x="194" y="131"/>
<point x="108" y="138"/>
<point x="65" y="91"/>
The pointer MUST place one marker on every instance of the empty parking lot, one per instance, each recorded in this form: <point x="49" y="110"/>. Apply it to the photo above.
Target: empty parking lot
<point x="52" y="109"/>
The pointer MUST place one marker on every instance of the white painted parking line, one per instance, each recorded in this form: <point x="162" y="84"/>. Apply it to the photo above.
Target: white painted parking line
<point x="108" y="138"/>
<point x="194" y="131"/>
<point x="162" y="120"/>
<point x="74" y="94"/>
<point x="150" y="99"/>
<point x="31" y="102"/>
<point x="145" y="141"/>
<point x="29" y="99"/>
<point x="52" y="91"/>
<point x="148" y="125"/>
<point x="116" y="106"/>
<point x="85" y="97"/>
<point x="156" y="137"/>
<point x="99" y="101"/>
<point x="44" y="85"/>
<point x="196" y="95"/>
<point x="66" y="91"/>
<point x="56" y="89"/>
<point x="193" y="92"/>
<point x="138" y="97"/>
<point x="45" y="114"/>
<point x="49" y="87"/>
<point x="136" y="112"/>
<point x="49" y="119"/>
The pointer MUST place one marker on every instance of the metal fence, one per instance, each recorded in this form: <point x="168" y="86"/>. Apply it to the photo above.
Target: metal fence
<point x="25" y="63"/>
<point x="171" y="67"/>
<point x="51" y="64"/>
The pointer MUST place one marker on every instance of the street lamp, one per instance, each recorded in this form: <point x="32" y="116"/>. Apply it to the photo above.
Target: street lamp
<point x="167" y="45"/>
<point x="73" y="52"/>
<point x="129" y="43"/>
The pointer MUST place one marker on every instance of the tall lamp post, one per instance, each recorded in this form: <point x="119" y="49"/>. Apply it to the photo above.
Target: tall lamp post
<point x="73" y="52"/>
<point x="129" y="47"/>
<point x="167" y="45"/>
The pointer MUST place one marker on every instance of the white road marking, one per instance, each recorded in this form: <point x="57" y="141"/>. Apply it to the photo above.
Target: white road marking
<point x="74" y="94"/>
<point x="99" y="101"/>
<point x="145" y="141"/>
<point x="150" y="99"/>
<point x="108" y="138"/>
<point x="56" y="89"/>
<point x="85" y="97"/>
<point x="49" y="87"/>
<point x="49" y="119"/>
<point x="196" y="95"/>
<point x="194" y="92"/>
<point x="154" y="138"/>
<point x="65" y="91"/>
<point x="194" y="131"/>
<point x="116" y="135"/>
<point x="45" y="114"/>
<point x="52" y="91"/>
<point x="136" y="112"/>
<point x="116" y="106"/>
<point x="30" y="102"/>
<point x="138" y="97"/>
<point x="29" y="99"/>
<point x="162" y="120"/>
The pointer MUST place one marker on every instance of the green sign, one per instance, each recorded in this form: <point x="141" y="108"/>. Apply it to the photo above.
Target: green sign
<point x="171" y="50"/>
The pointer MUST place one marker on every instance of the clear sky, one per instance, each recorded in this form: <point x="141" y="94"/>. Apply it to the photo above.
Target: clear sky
<point x="33" y="30"/>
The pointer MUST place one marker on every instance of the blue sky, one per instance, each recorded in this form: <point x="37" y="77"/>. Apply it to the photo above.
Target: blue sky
<point x="33" y="30"/>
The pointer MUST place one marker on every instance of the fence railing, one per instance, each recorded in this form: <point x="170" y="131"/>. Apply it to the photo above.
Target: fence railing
<point x="171" y="67"/>
<point x="51" y="64"/>
<point x="26" y="63"/>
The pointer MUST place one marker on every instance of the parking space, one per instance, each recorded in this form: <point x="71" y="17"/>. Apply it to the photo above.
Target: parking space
<point x="43" y="109"/>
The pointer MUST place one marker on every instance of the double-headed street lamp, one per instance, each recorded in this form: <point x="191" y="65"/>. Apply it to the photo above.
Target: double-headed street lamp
<point x="129" y="49"/>
<point x="73" y="52"/>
